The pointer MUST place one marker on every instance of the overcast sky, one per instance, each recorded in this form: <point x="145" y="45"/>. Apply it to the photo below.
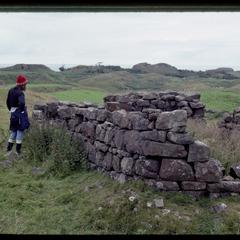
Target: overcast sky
<point x="195" y="41"/>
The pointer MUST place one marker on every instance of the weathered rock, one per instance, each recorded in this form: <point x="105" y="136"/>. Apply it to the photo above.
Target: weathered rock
<point x="101" y="146"/>
<point x="88" y="129"/>
<point x="219" y="207"/>
<point x="109" y="135"/>
<point x="228" y="178"/>
<point x="107" y="161"/>
<point x="102" y="115"/>
<point x="235" y="170"/>
<point x="151" y="148"/>
<point x="37" y="115"/>
<point x="230" y="186"/>
<point x="158" y="203"/>
<point x="52" y="109"/>
<point x="137" y="121"/>
<point x="182" y="104"/>
<point x="91" y="152"/>
<point x="121" y="178"/>
<point x="188" y="110"/>
<point x="176" y="170"/>
<point x="143" y="103"/>
<point x="119" y="139"/>
<point x="198" y="152"/>
<point x="154" y="135"/>
<point x="127" y="165"/>
<point x="132" y="140"/>
<point x="227" y="117"/>
<point x="147" y="168"/>
<point x="180" y="138"/>
<point x="169" y="120"/>
<point x="112" y="106"/>
<point x="116" y="163"/>
<point x="210" y="171"/>
<point x="198" y="113"/>
<point x="196" y="105"/>
<point x="120" y="119"/>
<point x="99" y="158"/>
<point x="194" y="186"/>
<point x="167" y="186"/>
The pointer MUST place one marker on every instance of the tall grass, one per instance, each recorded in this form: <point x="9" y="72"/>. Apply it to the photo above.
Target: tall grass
<point x="54" y="148"/>
<point x="224" y="146"/>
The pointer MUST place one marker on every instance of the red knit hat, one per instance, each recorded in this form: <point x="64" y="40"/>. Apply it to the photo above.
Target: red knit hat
<point x="21" y="80"/>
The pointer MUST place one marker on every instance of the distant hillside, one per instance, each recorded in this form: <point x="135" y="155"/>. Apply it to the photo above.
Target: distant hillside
<point x="36" y="73"/>
<point x="115" y="78"/>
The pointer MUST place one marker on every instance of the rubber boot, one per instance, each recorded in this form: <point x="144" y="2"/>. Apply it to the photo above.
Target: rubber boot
<point x="18" y="148"/>
<point x="9" y="147"/>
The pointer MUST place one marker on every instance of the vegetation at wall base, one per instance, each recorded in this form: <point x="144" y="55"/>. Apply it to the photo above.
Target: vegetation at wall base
<point x="53" y="148"/>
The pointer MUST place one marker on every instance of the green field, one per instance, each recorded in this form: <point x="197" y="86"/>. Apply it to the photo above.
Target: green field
<point x="80" y="95"/>
<point x="221" y="100"/>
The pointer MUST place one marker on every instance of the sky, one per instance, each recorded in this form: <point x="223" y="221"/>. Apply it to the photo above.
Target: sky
<point x="186" y="40"/>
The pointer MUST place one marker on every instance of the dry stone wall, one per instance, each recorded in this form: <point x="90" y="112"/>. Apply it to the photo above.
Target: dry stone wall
<point x="149" y="144"/>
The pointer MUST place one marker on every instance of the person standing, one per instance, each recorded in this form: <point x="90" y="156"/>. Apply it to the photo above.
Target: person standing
<point x="18" y="114"/>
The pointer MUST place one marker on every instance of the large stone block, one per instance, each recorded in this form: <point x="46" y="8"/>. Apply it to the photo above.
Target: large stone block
<point x="196" y="105"/>
<point x="119" y="138"/>
<point x="101" y="146"/>
<point x="224" y="186"/>
<point x="107" y="161"/>
<point x="147" y="168"/>
<point x="102" y="115"/>
<point x="64" y="112"/>
<point x="194" y="186"/>
<point x="198" y="152"/>
<point x="52" y="109"/>
<point x="176" y="170"/>
<point x="132" y="141"/>
<point x="154" y="135"/>
<point x="169" y="120"/>
<point x="167" y="185"/>
<point x="109" y="135"/>
<point x="210" y="171"/>
<point x="116" y="163"/>
<point x="151" y="148"/>
<point x="138" y="122"/>
<point x="88" y="129"/>
<point x="112" y="106"/>
<point x="121" y="120"/>
<point x="99" y="158"/>
<point x="180" y="138"/>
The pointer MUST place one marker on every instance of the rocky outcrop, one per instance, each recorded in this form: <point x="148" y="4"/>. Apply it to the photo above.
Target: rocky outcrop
<point x="151" y="144"/>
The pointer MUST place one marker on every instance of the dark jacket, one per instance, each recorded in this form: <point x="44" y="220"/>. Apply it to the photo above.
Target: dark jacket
<point x="19" y="119"/>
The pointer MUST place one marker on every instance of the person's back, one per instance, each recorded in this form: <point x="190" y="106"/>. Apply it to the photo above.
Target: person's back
<point x="19" y="118"/>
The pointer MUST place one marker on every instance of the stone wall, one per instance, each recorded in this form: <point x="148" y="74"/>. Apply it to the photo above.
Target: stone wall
<point x="149" y="144"/>
<point x="231" y="121"/>
<point x="164" y="101"/>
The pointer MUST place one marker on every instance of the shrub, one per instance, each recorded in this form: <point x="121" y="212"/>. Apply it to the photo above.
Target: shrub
<point x="53" y="147"/>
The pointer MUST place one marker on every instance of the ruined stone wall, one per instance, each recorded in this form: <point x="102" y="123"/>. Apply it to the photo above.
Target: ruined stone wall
<point x="231" y="121"/>
<point x="150" y="144"/>
<point x="164" y="101"/>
